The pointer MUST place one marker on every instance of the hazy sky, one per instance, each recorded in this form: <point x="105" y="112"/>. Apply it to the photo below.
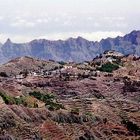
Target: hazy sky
<point x="24" y="20"/>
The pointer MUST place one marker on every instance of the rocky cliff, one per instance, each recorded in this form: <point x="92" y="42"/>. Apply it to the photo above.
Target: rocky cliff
<point x="72" y="49"/>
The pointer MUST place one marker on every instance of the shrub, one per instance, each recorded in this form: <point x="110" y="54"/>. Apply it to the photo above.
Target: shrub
<point x="108" y="67"/>
<point x="7" y="99"/>
<point x="45" y="98"/>
<point x="88" y="114"/>
<point x="131" y="126"/>
<point x="48" y="99"/>
<point x="18" y="101"/>
<point x="62" y="63"/>
<point x="54" y="106"/>
<point x="3" y="74"/>
<point x="12" y="100"/>
<point x="75" y="111"/>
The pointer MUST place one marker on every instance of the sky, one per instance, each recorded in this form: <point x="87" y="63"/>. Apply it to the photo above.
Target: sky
<point x="25" y="20"/>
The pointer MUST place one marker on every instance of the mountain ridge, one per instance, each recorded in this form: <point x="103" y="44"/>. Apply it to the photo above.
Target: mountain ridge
<point x="73" y="49"/>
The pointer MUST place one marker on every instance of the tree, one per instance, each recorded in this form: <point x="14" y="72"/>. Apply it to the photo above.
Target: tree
<point x="3" y="74"/>
<point x="108" y="67"/>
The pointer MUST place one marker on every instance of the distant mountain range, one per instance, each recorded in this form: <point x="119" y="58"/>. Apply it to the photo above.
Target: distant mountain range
<point x="72" y="49"/>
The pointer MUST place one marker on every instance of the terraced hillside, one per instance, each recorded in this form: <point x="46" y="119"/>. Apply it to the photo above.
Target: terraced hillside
<point x="93" y="100"/>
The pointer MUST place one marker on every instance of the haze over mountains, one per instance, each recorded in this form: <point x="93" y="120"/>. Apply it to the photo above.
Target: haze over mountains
<point x="72" y="49"/>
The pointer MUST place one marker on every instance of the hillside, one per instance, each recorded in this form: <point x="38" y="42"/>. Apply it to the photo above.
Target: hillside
<point x="93" y="100"/>
<point x="21" y="64"/>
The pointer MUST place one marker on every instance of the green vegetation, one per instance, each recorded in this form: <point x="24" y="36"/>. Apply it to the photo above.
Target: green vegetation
<point x="25" y="101"/>
<point x="7" y="99"/>
<point x="134" y="128"/>
<point x="42" y="97"/>
<point x="89" y="114"/>
<point x="12" y="100"/>
<point x="3" y="74"/>
<point x="98" y="63"/>
<point x="20" y="101"/>
<point x="108" y="67"/>
<point x="62" y="63"/>
<point x="48" y="99"/>
<point x="54" y="106"/>
<point x="28" y="101"/>
<point x="130" y="125"/>
<point x="75" y="111"/>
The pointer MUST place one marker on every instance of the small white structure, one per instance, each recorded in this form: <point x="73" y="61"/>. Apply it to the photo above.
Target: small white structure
<point x="35" y="74"/>
<point x="17" y="97"/>
<point x="110" y="59"/>
<point x="113" y="53"/>
<point x="67" y="67"/>
<point x="19" y="77"/>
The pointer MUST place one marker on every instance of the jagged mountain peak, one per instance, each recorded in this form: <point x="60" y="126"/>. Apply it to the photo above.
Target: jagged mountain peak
<point x="73" y="49"/>
<point x="135" y="32"/>
<point x="75" y="38"/>
<point x="8" y="41"/>
<point x="133" y="37"/>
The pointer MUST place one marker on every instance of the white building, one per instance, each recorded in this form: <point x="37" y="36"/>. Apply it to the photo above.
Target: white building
<point x="67" y="67"/>
<point x="19" y="76"/>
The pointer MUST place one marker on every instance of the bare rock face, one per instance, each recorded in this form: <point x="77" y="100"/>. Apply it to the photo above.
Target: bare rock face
<point x="73" y="49"/>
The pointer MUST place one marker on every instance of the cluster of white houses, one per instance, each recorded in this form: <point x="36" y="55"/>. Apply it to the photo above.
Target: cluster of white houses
<point x="44" y="73"/>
